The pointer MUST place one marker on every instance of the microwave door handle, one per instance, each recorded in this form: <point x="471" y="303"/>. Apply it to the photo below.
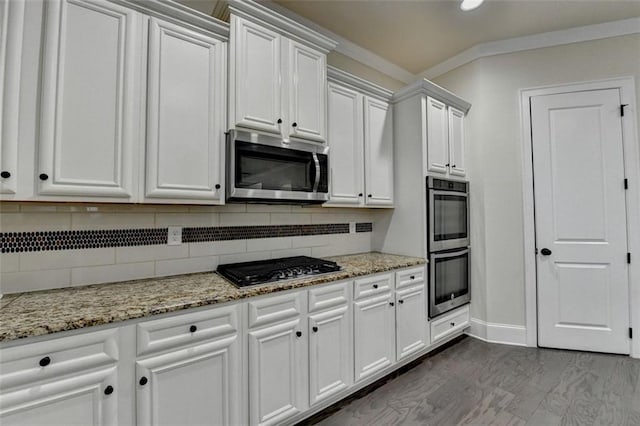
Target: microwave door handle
<point x="316" y="182"/>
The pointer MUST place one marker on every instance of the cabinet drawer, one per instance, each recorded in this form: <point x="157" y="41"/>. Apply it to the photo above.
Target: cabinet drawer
<point x="57" y="357"/>
<point x="372" y="286"/>
<point x="329" y="296"/>
<point x="409" y="277"/>
<point x="180" y="330"/>
<point x="450" y="323"/>
<point x="275" y="308"/>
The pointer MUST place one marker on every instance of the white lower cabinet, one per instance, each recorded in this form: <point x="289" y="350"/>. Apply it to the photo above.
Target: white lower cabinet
<point x="191" y="375"/>
<point x="190" y="386"/>
<point x="374" y="329"/>
<point x="450" y="323"/>
<point x="330" y="360"/>
<point x="65" y="381"/>
<point x="410" y="321"/>
<point x="277" y="388"/>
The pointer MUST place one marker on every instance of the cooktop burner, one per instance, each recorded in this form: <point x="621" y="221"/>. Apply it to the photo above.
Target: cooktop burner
<point x="265" y="271"/>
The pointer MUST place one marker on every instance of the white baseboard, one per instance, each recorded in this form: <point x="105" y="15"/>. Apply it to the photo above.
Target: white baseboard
<point x="505" y="334"/>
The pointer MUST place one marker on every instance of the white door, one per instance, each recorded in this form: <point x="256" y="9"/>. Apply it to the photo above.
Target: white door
<point x="346" y="145"/>
<point x="185" y="103"/>
<point x="583" y="285"/>
<point x="437" y="137"/>
<point x="196" y="385"/>
<point x="374" y="335"/>
<point x="90" y="99"/>
<point x="411" y="323"/>
<point x="79" y="399"/>
<point x="378" y="148"/>
<point x="308" y="92"/>
<point x="456" y="143"/>
<point x="256" y="91"/>
<point x="330" y="361"/>
<point x="277" y="389"/>
<point x="11" y="31"/>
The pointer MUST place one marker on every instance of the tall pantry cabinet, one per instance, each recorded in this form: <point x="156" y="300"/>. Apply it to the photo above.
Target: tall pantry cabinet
<point x="429" y="140"/>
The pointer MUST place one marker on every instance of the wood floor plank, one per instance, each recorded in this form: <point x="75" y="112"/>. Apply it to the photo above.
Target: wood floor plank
<point x="478" y="383"/>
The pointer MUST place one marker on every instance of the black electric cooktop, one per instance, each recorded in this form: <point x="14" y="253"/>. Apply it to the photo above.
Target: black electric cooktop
<point x="265" y="271"/>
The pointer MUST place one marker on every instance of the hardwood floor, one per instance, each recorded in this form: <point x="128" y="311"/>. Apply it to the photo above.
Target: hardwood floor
<point x="478" y="383"/>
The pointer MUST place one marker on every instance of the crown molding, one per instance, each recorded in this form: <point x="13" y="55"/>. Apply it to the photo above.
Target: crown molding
<point x="338" y="76"/>
<point x="253" y="10"/>
<point x="348" y="48"/>
<point x="536" y="41"/>
<point x="174" y="11"/>
<point x="428" y="88"/>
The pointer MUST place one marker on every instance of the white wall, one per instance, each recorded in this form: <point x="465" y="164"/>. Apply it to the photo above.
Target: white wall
<point x="492" y="85"/>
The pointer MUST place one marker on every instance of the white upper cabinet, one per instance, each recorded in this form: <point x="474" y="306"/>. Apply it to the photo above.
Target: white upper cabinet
<point x="445" y="139"/>
<point x="11" y="30"/>
<point x="256" y="57"/>
<point x="90" y="100"/>
<point x="277" y="75"/>
<point x="307" y="93"/>
<point x="437" y="137"/>
<point x="360" y="138"/>
<point x="346" y="142"/>
<point x="378" y="137"/>
<point x="456" y="143"/>
<point x="185" y="114"/>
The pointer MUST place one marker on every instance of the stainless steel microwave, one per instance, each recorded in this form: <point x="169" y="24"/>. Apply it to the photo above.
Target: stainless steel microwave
<point x="267" y="169"/>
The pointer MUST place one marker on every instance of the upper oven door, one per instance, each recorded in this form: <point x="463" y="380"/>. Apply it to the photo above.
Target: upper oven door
<point x="265" y="169"/>
<point x="448" y="220"/>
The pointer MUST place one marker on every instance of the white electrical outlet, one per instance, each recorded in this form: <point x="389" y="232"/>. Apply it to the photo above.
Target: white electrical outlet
<point x="174" y="236"/>
<point x="352" y="227"/>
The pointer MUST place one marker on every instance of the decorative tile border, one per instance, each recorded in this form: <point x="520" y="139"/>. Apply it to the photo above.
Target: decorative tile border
<point x="364" y="227"/>
<point x="18" y="242"/>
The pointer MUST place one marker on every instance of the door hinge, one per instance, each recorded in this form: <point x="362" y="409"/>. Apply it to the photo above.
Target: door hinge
<point x="629" y="258"/>
<point x="630" y="333"/>
<point x="626" y="183"/>
<point x="622" y="109"/>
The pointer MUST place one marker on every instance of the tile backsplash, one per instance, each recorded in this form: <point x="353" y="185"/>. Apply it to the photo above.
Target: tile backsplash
<point x="53" y="245"/>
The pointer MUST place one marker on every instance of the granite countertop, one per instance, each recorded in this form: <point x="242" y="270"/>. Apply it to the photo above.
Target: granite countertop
<point x="44" y="312"/>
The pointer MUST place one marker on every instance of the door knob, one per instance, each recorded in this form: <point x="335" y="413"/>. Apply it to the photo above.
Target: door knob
<point x="545" y="252"/>
<point x="5" y="175"/>
<point x="108" y="390"/>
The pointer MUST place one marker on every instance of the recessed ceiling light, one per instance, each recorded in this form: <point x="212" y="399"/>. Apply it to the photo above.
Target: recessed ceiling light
<point x="470" y="4"/>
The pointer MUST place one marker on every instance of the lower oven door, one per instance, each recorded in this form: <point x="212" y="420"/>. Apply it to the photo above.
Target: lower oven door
<point x="449" y="280"/>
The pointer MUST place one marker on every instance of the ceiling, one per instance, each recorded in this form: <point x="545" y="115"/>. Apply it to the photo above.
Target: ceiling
<point x="418" y="34"/>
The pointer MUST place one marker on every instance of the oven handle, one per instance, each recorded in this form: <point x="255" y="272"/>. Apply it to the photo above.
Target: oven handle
<point x="450" y="253"/>
<point x="456" y="193"/>
<point x="317" y="180"/>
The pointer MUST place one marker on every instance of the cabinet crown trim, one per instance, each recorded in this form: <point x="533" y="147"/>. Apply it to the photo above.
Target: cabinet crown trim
<point x="426" y="87"/>
<point x="173" y="11"/>
<point x="336" y="75"/>
<point x="255" y="12"/>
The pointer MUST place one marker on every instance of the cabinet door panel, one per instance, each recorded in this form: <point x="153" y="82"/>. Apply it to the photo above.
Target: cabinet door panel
<point x="78" y="399"/>
<point x="374" y="338"/>
<point x="346" y="145"/>
<point x="308" y="92"/>
<point x="276" y="388"/>
<point x="437" y="137"/>
<point x="330" y="361"/>
<point x="456" y="142"/>
<point x="411" y="322"/>
<point x="378" y="138"/>
<point x="192" y="386"/>
<point x="257" y="76"/>
<point x="11" y="29"/>
<point x="185" y="105"/>
<point x="89" y="99"/>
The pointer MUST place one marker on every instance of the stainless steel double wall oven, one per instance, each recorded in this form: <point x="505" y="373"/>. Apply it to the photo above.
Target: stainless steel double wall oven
<point x="448" y="244"/>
